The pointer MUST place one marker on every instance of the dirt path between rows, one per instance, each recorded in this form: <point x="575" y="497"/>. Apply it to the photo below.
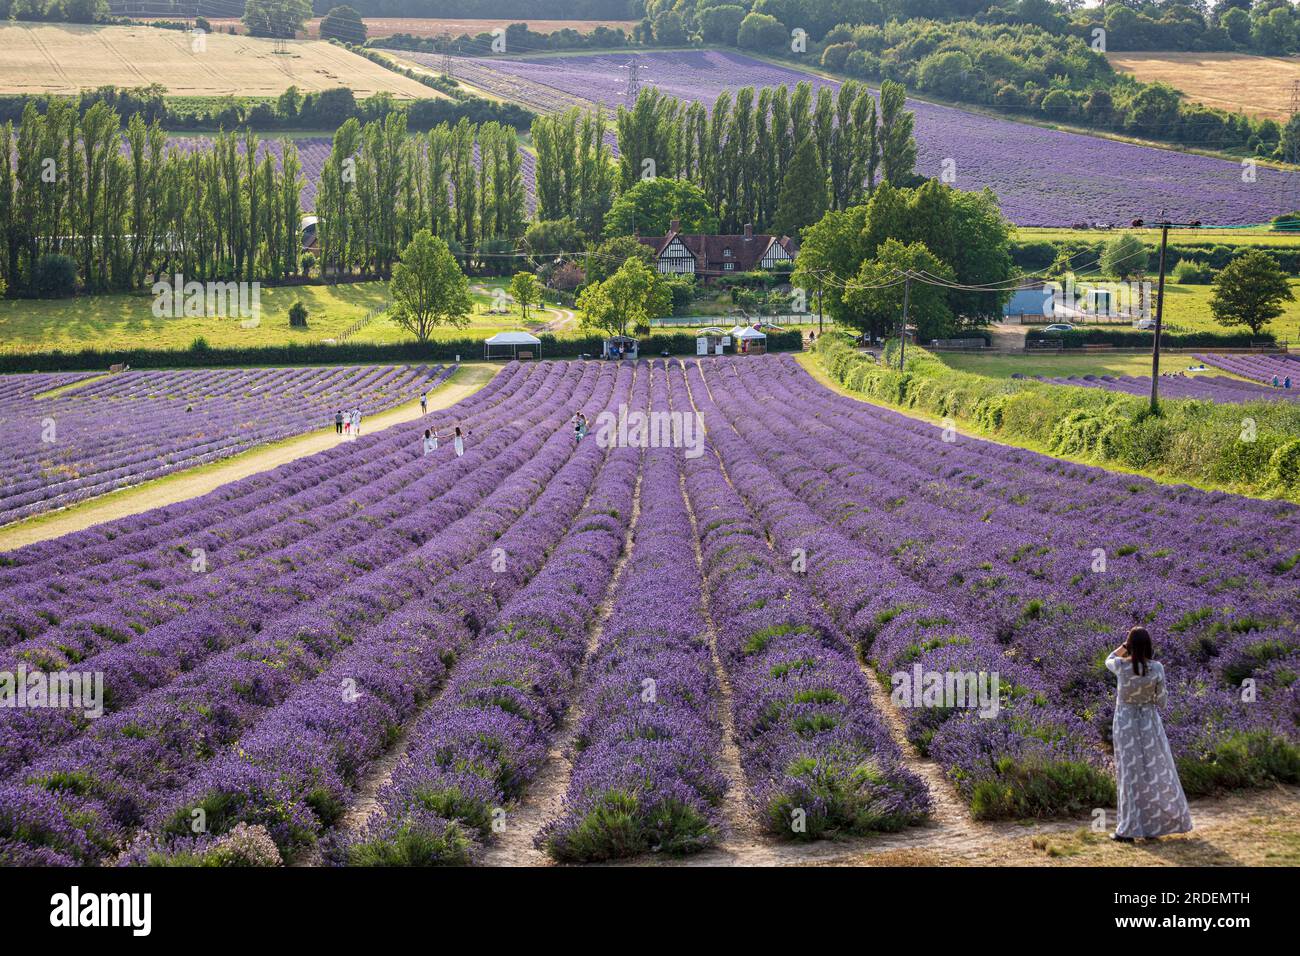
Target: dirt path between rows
<point x="544" y="799"/>
<point x="192" y="483"/>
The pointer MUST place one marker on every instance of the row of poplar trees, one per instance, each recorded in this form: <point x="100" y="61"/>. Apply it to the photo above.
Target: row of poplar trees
<point x="379" y="187"/>
<point x="126" y="208"/>
<point x="738" y="152"/>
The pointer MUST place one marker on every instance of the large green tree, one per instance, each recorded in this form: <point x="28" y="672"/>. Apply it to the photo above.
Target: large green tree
<point x="1250" y="291"/>
<point x="604" y="260"/>
<point x="343" y="23"/>
<point x="1124" y="257"/>
<point x="628" y="299"/>
<point x="875" y="296"/>
<point x="428" y="287"/>
<point x="650" y="206"/>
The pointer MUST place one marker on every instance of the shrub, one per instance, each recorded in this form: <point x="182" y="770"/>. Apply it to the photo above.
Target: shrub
<point x="298" y="315"/>
<point x="55" y="276"/>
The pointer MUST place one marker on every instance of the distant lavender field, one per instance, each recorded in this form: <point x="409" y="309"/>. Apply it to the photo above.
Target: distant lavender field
<point x="314" y="150"/>
<point x="1215" y="388"/>
<point x="134" y="426"/>
<point x="1042" y="177"/>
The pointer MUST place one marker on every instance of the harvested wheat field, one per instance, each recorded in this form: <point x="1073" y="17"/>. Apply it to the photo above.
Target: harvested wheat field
<point x="1258" y="85"/>
<point x="66" y="58"/>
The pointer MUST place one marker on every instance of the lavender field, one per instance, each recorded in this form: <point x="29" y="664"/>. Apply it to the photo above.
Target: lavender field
<point x="622" y="646"/>
<point x="1214" y="388"/>
<point x="130" y="427"/>
<point x="1042" y="177"/>
<point x="1260" y="368"/>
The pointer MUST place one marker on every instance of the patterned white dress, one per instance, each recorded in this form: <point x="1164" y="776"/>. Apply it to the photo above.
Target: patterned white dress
<point x="1151" y="800"/>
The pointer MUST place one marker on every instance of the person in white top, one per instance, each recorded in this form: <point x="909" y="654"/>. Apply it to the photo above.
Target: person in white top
<point x="459" y="441"/>
<point x="430" y="442"/>
<point x="356" y="422"/>
<point x="1151" y="799"/>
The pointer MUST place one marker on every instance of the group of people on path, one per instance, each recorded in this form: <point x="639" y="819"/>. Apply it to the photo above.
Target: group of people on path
<point x="1285" y="383"/>
<point x="347" y="423"/>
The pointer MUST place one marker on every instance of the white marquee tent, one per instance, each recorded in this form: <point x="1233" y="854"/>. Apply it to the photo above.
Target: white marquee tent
<point x="513" y="341"/>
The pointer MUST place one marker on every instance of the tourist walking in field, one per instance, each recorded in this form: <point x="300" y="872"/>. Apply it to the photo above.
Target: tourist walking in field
<point x="430" y="442"/>
<point x="338" y="422"/>
<point x="458" y="441"/>
<point x="356" y="423"/>
<point x="424" y="403"/>
<point x="1151" y="800"/>
<point x="579" y="427"/>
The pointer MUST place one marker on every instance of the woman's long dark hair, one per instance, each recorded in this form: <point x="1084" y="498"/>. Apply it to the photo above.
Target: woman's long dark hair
<point x="1139" y="649"/>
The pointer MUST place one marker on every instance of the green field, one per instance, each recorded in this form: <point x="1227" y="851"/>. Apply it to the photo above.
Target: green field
<point x="1050" y="366"/>
<point x="1248" y="235"/>
<point x="127" y="321"/>
<point x="1057" y="365"/>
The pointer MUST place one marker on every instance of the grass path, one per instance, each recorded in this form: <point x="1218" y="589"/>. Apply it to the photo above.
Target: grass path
<point x="184" y="485"/>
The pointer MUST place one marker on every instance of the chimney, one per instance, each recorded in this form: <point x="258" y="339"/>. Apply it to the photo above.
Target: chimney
<point x="749" y="231"/>
<point x="675" y="226"/>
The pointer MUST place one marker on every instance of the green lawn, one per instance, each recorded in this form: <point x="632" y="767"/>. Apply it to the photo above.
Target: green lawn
<point x="127" y="321"/>
<point x="1187" y="309"/>
<point x="1056" y="365"/>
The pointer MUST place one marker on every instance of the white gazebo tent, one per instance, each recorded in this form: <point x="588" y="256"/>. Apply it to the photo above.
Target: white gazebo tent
<point x="751" y="341"/>
<point x="709" y="341"/>
<point x="513" y="341"/>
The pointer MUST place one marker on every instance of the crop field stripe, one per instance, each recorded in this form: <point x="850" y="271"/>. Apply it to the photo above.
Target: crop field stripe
<point x="96" y="447"/>
<point x="521" y="655"/>
<point x="543" y="799"/>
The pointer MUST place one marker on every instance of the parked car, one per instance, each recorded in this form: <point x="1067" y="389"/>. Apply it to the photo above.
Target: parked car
<point x="1060" y="327"/>
<point x="1146" y="325"/>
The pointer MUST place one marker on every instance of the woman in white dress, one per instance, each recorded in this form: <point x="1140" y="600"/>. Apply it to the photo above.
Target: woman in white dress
<point x="430" y="442"/>
<point x="356" y="422"/>
<point x="1151" y="800"/>
<point x="459" y="442"/>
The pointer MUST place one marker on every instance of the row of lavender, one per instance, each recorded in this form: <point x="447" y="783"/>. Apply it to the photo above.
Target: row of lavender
<point x="818" y="758"/>
<point x="1213" y="388"/>
<point x="180" y="693"/>
<point x="1042" y="566"/>
<point x="1258" y="368"/>
<point x="127" y="428"/>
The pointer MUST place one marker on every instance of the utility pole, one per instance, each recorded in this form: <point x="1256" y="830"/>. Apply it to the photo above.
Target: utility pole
<point x="902" y="336"/>
<point x="633" y="83"/>
<point x="1165" y="226"/>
